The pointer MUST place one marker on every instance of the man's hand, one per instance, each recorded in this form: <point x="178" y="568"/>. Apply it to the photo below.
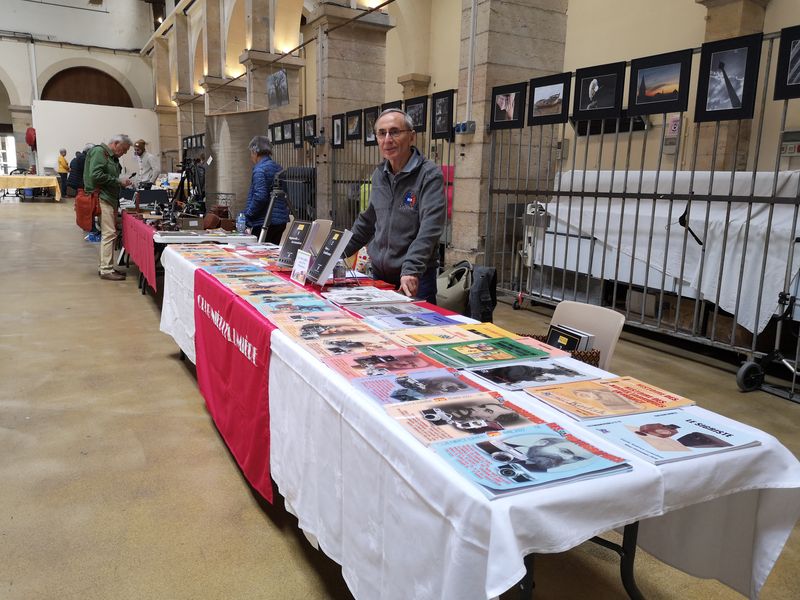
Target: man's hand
<point x="409" y="284"/>
<point x="126" y="182"/>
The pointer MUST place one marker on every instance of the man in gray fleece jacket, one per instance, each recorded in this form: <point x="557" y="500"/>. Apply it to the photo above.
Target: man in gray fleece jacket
<point x="406" y="211"/>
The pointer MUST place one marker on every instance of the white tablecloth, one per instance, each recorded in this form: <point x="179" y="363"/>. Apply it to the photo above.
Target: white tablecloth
<point x="404" y="525"/>
<point x="625" y="225"/>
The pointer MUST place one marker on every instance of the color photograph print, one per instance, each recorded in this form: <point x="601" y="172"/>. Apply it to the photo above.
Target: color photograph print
<point x="288" y="134"/>
<point x="598" y="92"/>
<point x="442" y="121"/>
<point x="787" y="76"/>
<point x="353" y="131"/>
<point x="310" y="128"/>
<point x="417" y="109"/>
<point x="370" y="116"/>
<point x="660" y="84"/>
<point x="277" y="89"/>
<point x="337" y="136"/>
<point x="297" y="133"/>
<point x="508" y="106"/>
<point x="728" y="78"/>
<point x="548" y="99"/>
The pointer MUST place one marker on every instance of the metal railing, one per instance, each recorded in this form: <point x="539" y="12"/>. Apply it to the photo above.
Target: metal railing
<point x="689" y="229"/>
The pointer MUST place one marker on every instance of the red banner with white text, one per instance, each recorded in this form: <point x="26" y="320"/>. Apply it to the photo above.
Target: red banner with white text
<point x="232" y="345"/>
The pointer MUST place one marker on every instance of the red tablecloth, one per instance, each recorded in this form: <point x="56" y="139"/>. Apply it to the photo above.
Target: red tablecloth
<point x="137" y="237"/>
<point x="232" y="342"/>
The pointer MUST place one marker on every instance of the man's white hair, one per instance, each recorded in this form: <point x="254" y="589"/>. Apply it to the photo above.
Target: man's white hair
<point x="121" y="138"/>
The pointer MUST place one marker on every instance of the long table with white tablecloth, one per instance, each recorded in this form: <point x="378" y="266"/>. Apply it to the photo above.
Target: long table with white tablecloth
<point x="404" y="525"/>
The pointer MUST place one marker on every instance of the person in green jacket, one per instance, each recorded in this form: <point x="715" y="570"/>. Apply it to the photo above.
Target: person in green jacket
<point x="102" y="172"/>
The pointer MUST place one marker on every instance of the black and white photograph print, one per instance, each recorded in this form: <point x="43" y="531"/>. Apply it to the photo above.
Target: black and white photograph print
<point x="417" y="109"/>
<point x="508" y="106"/>
<point x="787" y="76"/>
<point x="288" y="134"/>
<point x="337" y="135"/>
<point x="353" y="131"/>
<point x="309" y="128"/>
<point x="370" y="116"/>
<point x="598" y="92"/>
<point x="297" y="132"/>
<point x="393" y="104"/>
<point x="548" y="99"/>
<point x="277" y="89"/>
<point x="727" y="79"/>
<point x="277" y="133"/>
<point x="442" y="121"/>
<point x="660" y="84"/>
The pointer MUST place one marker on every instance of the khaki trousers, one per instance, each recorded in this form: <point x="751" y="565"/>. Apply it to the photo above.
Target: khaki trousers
<point x="108" y="237"/>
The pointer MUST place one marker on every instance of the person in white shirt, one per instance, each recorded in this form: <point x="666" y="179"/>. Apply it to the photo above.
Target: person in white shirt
<point x="149" y="166"/>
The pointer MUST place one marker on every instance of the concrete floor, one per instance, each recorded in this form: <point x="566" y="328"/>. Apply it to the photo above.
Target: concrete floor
<point x="114" y="483"/>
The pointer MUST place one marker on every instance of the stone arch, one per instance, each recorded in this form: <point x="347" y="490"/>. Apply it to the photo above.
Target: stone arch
<point x="11" y="90"/>
<point x="46" y="74"/>
<point x="235" y="41"/>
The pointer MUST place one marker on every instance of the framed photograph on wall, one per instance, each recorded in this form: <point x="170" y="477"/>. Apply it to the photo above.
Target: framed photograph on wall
<point x="370" y="116"/>
<point x="508" y="106"/>
<point x="660" y="84"/>
<point x="297" y="133"/>
<point x="353" y="122"/>
<point x="417" y="109"/>
<point x="442" y="119"/>
<point x="269" y="134"/>
<point x="598" y="92"/>
<point x="277" y="133"/>
<point x="787" y="76"/>
<point x="548" y="99"/>
<point x="337" y="131"/>
<point x="727" y="80"/>
<point x="288" y="133"/>
<point x="310" y="128"/>
<point x="395" y="104"/>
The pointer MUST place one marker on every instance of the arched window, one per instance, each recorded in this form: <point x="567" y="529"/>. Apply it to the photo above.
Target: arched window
<point x="86" y="85"/>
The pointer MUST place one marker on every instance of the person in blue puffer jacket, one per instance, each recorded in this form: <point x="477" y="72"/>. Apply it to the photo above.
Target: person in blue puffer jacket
<point x="264" y="171"/>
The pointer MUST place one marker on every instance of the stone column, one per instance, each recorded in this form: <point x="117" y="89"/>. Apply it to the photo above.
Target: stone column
<point x="414" y="84"/>
<point x="351" y="67"/>
<point x="212" y="36"/>
<point x="21" y="119"/>
<point x="729" y="19"/>
<point x="259" y="65"/>
<point x="223" y="94"/>
<point x="536" y="48"/>
<point x="257" y="25"/>
<point x="161" y="74"/>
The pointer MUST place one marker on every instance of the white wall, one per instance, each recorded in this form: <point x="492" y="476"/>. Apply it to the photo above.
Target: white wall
<point x="70" y="125"/>
<point x="114" y="24"/>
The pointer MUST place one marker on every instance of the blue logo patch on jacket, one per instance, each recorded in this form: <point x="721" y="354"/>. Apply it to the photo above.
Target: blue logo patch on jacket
<point x="410" y="199"/>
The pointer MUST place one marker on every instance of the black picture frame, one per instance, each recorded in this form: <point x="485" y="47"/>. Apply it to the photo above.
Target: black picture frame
<point x="277" y="133"/>
<point x="393" y="104"/>
<point x="310" y="128"/>
<point x="337" y="131"/>
<point x="417" y="109"/>
<point x="353" y="125"/>
<point x="660" y="84"/>
<point x="508" y="106"/>
<point x="370" y="116"/>
<point x="442" y="116"/>
<point x="297" y="133"/>
<point x="288" y="132"/>
<point x="787" y="75"/>
<point x="729" y="92"/>
<point x="548" y="99"/>
<point x="598" y="92"/>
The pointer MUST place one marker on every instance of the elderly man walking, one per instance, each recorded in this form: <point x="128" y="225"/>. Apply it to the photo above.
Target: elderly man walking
<point x="102" y="172"/>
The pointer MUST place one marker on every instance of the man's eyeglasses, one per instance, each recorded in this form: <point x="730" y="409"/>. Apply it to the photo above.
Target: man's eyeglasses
<point x="392" y="133"/>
